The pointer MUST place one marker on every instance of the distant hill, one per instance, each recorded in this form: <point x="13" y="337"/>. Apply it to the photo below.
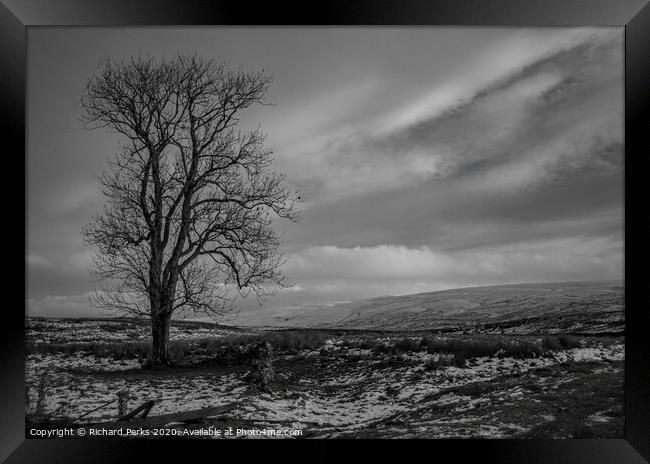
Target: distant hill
<point x="575" y="307"/>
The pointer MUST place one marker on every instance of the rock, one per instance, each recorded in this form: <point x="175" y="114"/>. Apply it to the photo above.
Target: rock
<point x="262" y="373"/>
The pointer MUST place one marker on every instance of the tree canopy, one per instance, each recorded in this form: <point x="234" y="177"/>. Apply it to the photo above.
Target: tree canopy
<point x="190" y="199"/>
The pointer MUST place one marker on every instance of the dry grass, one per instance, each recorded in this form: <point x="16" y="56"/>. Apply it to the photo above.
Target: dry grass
<point x="233" y="348"/>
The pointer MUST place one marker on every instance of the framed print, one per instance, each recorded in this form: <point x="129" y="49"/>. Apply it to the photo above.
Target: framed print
<point x="371" y="221"/>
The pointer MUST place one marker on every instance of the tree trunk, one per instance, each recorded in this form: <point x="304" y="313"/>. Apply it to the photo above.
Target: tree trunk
<point x="160" y="338"/>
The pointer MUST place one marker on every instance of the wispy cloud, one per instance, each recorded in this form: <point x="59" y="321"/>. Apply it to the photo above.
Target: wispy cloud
<point x="558" y="259"/>
<point x="513" y="124"/>
<point x="37" y="261"/>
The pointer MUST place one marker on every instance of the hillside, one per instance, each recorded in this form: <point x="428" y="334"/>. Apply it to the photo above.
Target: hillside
<point x="576" y="307"/>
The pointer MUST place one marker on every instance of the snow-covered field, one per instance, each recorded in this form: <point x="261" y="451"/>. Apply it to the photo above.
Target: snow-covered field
<point x="338" y="390"/>
<point x="365" y="395"/>
<point x="54" y="330"/>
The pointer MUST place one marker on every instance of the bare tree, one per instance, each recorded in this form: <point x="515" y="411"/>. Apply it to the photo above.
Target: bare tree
<point x="189" y="198"/>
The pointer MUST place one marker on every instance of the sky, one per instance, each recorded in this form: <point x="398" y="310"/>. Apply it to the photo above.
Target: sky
<point x="427" y="158"/>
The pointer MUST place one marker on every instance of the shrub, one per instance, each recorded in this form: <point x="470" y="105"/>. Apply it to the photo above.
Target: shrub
<point x="434" y="364"/>
<point x="459" y="359"/>
<point x="560" y="342"/>
<point x="392" y="391"/>
<point x="117" y="350"/>
<point x="37" y="414"/>
<point x="569" y="342"/>
<point x="521" y="349"/>
<point x="401" y="346"/>
<point x="407" y="345"/>
<point x="123" y="397"/>
<point x="480" y="348"/>
<point x="551" y="343"/>
<point x="178" y="351"/>
<point x="364" y="344"/>
<point x="41" y="395"/>
<point x="283" y="340"/>
<point x="324" y="352"/>
<point x="354" y="357"/>
<point x="382" y="348"/>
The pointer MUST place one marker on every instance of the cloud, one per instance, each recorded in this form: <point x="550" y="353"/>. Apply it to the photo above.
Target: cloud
<point x="550" y="260"/>
<point x="502" y="58"/>
<point x="70" y="199"/>
<point x="63" y="306"/>
<point x="322" y="274"/>
<point x="326" y="274"/>
<point x="452" y="214"/>
<point x="428" y="159"/>
<point x="72" y="305"/>
<point x="58" y="274"/>
<point x="80" y="260"/>
<point x="547" y="112"/>
<point x="37" y="261"/>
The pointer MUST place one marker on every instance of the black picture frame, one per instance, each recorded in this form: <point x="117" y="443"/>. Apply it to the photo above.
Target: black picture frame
<point x="18" y="15"/>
